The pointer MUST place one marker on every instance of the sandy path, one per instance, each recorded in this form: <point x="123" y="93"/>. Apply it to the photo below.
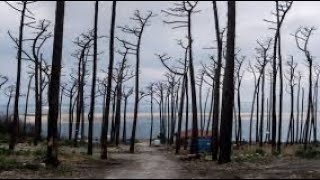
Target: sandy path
<point x="147" y="163"/>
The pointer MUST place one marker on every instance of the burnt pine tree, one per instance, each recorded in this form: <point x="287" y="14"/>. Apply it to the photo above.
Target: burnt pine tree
<point x="216" y="91"/>
<point x="282" y="8"/>
<point x="302" y="37"/>
<point x="94" y="78"/>
<point x="256" y="86"/>
<point x="27" y="103"/>
<point x="228" y="89"/>
<point x="84" y="43"/>
<point x="183" y="11"/>
<point x="9" y="92"/>
<point x="104" y="132"/>
<point x="239" y="76"/>
<point x="137" y="32"/>
<point x="25" y="14"/>
<point x="263" y="61"/>
<point x="164" y="58"/>
<point x="298" y="108"/>
<point x="291" y="82"/>
<point x="35" y="56"/>
<point x="70" y="93"/>
<point x="52" y="146"/>
<point x="126" y="95"/>
<point x="121" y="75"/>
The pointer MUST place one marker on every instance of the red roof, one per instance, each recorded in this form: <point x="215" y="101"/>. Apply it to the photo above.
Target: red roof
<point x="200" y="133"/>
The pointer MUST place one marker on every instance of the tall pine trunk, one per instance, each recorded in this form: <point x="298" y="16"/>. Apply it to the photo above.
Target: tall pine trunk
<point x="228" y="89"/>
<point x="15" y="123"/>
<point x="104" y="134"/>
<point x="94" y="78"/>
<point x="52" y="148"/>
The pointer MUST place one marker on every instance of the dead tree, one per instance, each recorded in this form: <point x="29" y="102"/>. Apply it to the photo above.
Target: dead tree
<point x="239" y="76"/>
<point x="151" y="92"/>
<point x="122" y="74"/>
<point x="302" y="37"/>
<point x="217" y="75"/>
<point x="60" y="109"/>
<point x="105" y="122"/>
<point x="291" y="79"/>
<point x="228" y="89"/>
<point x="282" y="8"/>
<point x="27" y="104"/>
<point x="84" y="44"/>
<point x="298" y="109"/>
<point x="160" y="92"/>
<point x="175" y="70"/>
<point x="35" y="56"/>
<point x="126" y="96"/>
<point x="301" y="124"/>
<point x="9" y="92"/>
<point x="21" y="7"/>
<point x="200" y="84"/>
<point x="256" y="84"/>
<point x="137" y="32"/>
<point x="315" y="101"/>
<point x="263" y="60"/>
<point x="210" y="71"/>
<point x="94" y="78"/>
<point x="70" y="92"/>
<point x="52" y="149"/>
<point x="184" y="11"/>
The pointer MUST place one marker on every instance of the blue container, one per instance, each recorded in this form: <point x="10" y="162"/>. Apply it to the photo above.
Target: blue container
<point x="204" y="145"/>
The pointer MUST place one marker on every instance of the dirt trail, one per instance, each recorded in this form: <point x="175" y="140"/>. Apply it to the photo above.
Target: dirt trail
<point x="146" y="163"/>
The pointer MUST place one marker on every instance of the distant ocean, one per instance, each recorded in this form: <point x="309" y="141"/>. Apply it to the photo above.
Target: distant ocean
<point x="144" y="122"/>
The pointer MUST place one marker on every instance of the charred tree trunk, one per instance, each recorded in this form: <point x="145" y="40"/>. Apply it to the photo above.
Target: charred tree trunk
<point x="216" y="105"/>
<point x="26" y="107"/>
<point x="228" y="89"/>
<point x="298" y="110"/>
<point x="104" y="134"/>
<point x="15" y="123"/>
<point x="137" y="77"/>
<point x="52" y="149"/>
<point x="94" y="79"/>
<point x="187" y="114"/>
<point x="151" y="127"/>
<point x="124" y="133"/>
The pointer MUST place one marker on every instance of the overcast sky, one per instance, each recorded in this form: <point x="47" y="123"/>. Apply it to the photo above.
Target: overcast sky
<point x="160" y="38"/>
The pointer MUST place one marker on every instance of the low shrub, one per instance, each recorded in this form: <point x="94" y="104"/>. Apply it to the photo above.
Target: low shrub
<point x="309" y="153"/>
<point x="39" y="152"/>
<point x="261" y="152"/>
<point x="8" y="164"/>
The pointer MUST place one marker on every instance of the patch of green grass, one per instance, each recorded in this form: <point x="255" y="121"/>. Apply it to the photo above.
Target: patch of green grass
<point x="261" y="152"/>
<point x="33" y="167"/>
<point x="4" y="138"/>
<point x="310" y="153"/>
<point x="67" y="143"/>
<point x="22" y="153"/>
<point x="7" y="163"/>
<point x="39" y="152"/>
<point x="5" y="151"/>
<point x="257" y="155"/>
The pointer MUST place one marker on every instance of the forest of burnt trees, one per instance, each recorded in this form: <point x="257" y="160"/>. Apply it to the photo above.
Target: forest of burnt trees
<point x="208" y="98"/>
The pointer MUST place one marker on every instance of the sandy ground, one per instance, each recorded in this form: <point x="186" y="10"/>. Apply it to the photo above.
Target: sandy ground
<point x="147" y="163"/>
<point x="151" y="163"/>
<point x="162" y="163"/>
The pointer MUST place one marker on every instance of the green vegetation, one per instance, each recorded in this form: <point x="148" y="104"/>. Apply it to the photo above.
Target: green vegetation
<point x="8" y="164"/>
<point x="312" y="152"/>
